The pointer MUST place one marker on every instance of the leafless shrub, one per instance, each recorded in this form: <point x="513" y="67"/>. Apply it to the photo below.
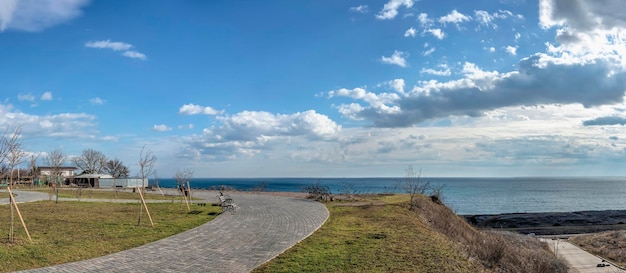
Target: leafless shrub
<point x="495" y="251"/>
<point x="260" y="187"/>
<point x="318" y="192"/>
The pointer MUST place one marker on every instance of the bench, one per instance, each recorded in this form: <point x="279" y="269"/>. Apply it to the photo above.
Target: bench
<point x="227" y="203"/>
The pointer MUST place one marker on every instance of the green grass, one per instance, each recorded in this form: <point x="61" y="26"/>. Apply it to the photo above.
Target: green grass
<point x="103" y="194"/>
<point x="380" y="235"/>
<point x="72" y="231"/>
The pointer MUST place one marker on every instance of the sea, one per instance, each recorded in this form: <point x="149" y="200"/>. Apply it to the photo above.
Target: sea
<point x="466" y="196"/>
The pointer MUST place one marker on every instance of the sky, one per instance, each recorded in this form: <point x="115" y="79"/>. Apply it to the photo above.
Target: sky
<point x="351" y="88"/>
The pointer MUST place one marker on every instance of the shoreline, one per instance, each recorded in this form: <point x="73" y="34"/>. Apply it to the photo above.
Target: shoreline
<point x="552" y="223"/>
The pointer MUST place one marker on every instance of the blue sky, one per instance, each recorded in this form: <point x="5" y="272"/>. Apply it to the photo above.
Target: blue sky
<point x="321" y="88"/>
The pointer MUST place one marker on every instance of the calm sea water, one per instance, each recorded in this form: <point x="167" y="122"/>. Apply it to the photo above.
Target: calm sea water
<point x="463" y="195"/>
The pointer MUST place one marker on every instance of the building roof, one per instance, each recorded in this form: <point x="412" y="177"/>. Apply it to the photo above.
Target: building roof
<point x="93" y="175"/>
<point x="59" y="168"/>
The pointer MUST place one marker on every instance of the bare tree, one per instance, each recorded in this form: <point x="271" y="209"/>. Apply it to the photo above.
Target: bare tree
<point x="183" y="179"/>
<point x="15" y="154"/>
<point x="32" y="166"/>
<point x="414" y="185"/>
<point x="146" y="169"/>
<point x="146" y="163"/>
<point x="116" y="168"/>
<point x="55" y="160"/>
<point x="91" y="161"/>
<point x="4" y="146"/>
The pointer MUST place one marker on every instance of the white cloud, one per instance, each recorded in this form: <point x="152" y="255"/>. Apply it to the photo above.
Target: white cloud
<point x="359" y="9"/>
<point x="97" y="101"/>
<point x="454" y="17"/>
<point x="398" y="58"/>
<point x="161" y="128"/>
<point x="586" y="30"/>
<point x="484" y="18"/>
<point x="429" y="51"/>
<point x="67" y="125"/>
<point x="511" y="50"/>
<point x="26" y="97"/>
<point x="445" y="71"/>
<point x="492" y="49"/>
<point x="249" y="132"/>
<point x="390" y="9"/>
<point x="117" y="46"/>
<point x="411" y="32"/>
<point x="194" y="109"/>
<point x="479" y="91"/>
<point x="438" y="33"/>
<point x="188" y="126"/>
<point x="46" y="96"/>
<point x="424" y="20"/>
<point x="134" y="54"/>
<point x="110" y="138"/>
<point x="37" y="15"/>
<point x="397" y="85"/>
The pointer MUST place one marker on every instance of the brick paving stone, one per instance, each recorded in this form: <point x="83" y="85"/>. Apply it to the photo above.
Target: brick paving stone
<point x="263" y="227"/>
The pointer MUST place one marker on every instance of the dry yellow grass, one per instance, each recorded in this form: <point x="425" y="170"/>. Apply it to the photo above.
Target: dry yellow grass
<point x="610" y="245"/>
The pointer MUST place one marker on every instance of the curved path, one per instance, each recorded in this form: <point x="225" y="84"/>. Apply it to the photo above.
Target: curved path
<point x="263" y="227"/>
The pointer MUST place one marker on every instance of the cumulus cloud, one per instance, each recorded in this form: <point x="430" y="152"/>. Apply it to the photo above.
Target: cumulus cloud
<point x="194" y="109"/>
<point x="161" y="128"/>
<point x="593" y="28"/>
<point x="71" y="125"/>
<point x="398" y="58"/>
<point x="46" y="96"/>
<point x="487" y="19"/>
<point x="424" y="20"/>
<point x="37" y="15"/>
<point x="411" y="32"/>
<point x="117" y="46"/>
<point x="540" y="79"/>
<point x="602" y="121"/>
<point x="359" y="9"/>
<point x="444" y="71"/>
<point x="454" y="17"/>
<point x="438" y="33"/>
<point x="97" y="101"/>
<point x="390" y="9"/>
<point x="248" y="132"/>
<point x="512" y="50"/>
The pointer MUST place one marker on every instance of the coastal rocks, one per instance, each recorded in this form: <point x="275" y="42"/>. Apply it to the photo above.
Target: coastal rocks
<point x="552" y="223"/>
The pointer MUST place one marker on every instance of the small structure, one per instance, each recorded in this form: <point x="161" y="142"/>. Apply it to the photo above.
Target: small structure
<point x="90" y="180"/>
<point x="123" y="182"/>
<point x="47" y="174"/>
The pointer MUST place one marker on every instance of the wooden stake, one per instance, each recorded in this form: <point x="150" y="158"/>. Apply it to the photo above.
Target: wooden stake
<point x="143" y="201"/>
<point x="19" y="214"/>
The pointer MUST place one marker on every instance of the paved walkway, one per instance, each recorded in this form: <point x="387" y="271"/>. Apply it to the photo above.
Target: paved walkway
<point x="263" y="227"/>
<point x="578" y="259"/>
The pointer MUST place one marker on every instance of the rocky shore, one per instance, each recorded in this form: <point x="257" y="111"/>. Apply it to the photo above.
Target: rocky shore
<point x="552" y="223"/>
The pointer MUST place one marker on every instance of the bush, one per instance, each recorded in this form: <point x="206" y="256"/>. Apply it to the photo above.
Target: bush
<point x="318" y="192"/>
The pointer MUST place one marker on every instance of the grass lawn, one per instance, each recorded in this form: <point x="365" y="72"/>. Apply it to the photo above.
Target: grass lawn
<point x="379" y="235"/>
<point x="72" y="231"/>
<point x="4" y="195"/>
<point x="102" y="194"/>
